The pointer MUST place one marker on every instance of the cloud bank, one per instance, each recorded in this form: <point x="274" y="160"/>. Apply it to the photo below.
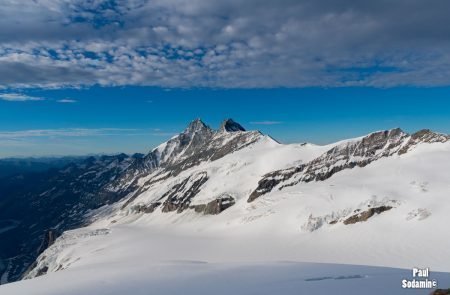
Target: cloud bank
<point x="224" y="43"/>
<point x="18" y="97"/>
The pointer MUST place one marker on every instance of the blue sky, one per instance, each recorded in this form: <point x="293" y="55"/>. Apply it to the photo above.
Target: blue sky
<point x="135" y="119"/>
<point x="104" y="76"/>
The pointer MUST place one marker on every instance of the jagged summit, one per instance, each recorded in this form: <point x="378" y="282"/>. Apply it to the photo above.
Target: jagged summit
<point x="198" y="142"/>
<point x="197" y="126"/>
<point x="229" y="125"/>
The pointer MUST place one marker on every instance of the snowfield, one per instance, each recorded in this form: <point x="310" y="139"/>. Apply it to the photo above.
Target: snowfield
<point x="307" y="238"/>
<point x="202" y="278"/>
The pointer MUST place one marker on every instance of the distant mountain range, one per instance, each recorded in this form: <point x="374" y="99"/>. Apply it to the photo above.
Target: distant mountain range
<point x="13" y="166"/>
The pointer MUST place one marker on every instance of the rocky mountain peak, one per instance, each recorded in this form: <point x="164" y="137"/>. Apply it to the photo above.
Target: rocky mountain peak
<point x="381" y="139"/>
<point x="427" y="135"/>
<point x="197" y="126"/>
<point x="229" y="125"/>
<point x="423" y="136"/>
<point x="385" y="134"/>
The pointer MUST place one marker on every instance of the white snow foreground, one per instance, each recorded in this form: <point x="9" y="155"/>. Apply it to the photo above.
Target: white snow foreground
<point x="117" y="277"/>
<point x="272" y="245"/>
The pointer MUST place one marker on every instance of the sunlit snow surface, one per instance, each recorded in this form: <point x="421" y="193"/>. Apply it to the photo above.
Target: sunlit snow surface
<point x="198" y="277"/>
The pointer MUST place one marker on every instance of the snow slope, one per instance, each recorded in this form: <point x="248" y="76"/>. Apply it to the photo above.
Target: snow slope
<point x="241" y="249"/>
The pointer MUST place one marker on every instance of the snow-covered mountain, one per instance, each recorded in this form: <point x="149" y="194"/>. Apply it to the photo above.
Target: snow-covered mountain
<point x="235" y="196"/>
<point x="36" y="205"/>
<point x="347" y="155"/>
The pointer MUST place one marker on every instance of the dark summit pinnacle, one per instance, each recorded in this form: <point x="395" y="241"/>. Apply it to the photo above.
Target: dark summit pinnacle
<point x="231" y="126"/>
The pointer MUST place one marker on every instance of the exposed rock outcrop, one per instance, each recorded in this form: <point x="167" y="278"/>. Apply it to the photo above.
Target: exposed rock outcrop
<point x="231" y="126"/>
<point x="215" y="206"/>
<point x="270" y="180"/>
<point x="365" y="215"/>
<point x="142" y="208"/>
<point x="179" y="197"/>
<point x="350" y="215"/>
<point x="48" y="240"/>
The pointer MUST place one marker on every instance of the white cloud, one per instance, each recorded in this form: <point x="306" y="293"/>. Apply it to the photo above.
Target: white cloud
<point x="65" y="132"/>
<point x="19" y="97"/>
<point x="66" y="100"/>
<point x="81" y="132"/>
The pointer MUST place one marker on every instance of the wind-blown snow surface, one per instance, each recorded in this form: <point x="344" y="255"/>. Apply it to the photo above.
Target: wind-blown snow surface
<point x="138" y="277"/>
<point x="239" y="251"/>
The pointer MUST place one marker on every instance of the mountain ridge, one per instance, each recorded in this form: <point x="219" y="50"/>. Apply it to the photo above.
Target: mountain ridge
<point x="368" y="148"/>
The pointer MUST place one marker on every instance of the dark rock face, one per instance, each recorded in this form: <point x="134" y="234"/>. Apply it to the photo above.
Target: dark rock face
<point x="214" y="207"/>
<point x="49" y="238"/>
<point x="42" y="271"/>
<point x="346" y="156"/>
<point x="179" y="196"/>
<point x="231" y="126"/>
<point x="365" y="215"/>
<point x="270" y="180"/>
